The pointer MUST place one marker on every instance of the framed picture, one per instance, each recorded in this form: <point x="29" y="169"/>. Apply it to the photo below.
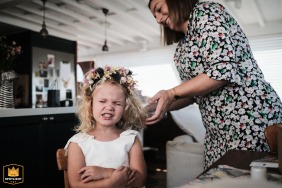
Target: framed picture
<point x="51" y="60"/>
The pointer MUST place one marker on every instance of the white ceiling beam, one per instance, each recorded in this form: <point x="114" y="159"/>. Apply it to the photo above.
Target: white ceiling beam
<point x="126" y="15"/>
<point x="257" y="13"/>
<point x="4" y="4"/>
<point x="86" y="20"/>
<point x="54" y="30"/>
<point x="119" y="27"/>
<point x="26" y="24"/>
<point x="77" y="27"/>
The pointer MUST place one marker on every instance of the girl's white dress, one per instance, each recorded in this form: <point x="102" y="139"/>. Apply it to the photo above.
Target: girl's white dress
<point x="110" y="154"/>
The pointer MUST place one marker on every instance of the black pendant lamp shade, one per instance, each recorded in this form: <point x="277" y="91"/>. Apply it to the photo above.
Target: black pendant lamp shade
<point x="105" y="46"/>
<point x="44" y="31"/>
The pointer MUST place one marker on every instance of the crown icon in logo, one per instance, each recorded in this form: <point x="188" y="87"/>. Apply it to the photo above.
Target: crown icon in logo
<point x="13" y="172"/>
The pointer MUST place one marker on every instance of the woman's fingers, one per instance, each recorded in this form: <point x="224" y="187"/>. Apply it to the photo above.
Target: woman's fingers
<point x="163" y="104"/>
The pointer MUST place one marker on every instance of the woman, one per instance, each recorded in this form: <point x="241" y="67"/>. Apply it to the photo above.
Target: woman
<point x="219" y="73"/>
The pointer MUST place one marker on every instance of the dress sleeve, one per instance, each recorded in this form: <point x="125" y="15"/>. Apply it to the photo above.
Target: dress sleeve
<point x="77" y="138"/>
<point x="130" y="136"/>
<point x="213" y="28"/>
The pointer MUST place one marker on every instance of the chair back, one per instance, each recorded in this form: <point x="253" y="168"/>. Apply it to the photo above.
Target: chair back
<point x="271" y="134"/>
<point x="62" y="163"/>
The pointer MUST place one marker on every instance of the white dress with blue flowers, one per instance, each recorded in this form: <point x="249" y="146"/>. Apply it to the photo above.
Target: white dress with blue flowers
<point x="236" y="115"/>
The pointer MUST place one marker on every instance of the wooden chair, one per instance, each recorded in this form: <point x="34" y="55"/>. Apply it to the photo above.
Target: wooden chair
<point x="62" y="163"/>
<point x="271" y="134"/>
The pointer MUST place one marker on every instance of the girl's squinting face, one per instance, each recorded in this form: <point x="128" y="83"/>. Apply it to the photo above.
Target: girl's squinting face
<point x="160" y="11"/>
<point x="108" y="104"/>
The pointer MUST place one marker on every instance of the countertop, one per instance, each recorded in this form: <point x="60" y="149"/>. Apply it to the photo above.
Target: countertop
<point x="35" y="111"/>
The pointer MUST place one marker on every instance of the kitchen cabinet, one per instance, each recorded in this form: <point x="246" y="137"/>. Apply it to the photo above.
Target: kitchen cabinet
<point x="32" y="141"/>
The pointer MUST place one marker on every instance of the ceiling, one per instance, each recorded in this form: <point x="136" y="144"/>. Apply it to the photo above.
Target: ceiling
<point x="130" y="25"/>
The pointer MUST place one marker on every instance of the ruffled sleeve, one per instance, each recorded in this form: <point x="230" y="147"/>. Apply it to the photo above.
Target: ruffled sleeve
<point x="214" y="28"/>
<point x="78" y="138"/>
<point x="129" y="136"/>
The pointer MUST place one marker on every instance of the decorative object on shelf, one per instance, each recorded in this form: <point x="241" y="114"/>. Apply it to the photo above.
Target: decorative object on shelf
<point x="44" y="31"/>
<point x="8" y="53"/>
<point x="6" y="89"/>
<point x="105" y="46"/>
<point x="53" y="95"/>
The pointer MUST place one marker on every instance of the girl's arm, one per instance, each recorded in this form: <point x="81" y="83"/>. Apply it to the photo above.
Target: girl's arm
<point x="138" y="164"/>
<point x="76" y="162"/>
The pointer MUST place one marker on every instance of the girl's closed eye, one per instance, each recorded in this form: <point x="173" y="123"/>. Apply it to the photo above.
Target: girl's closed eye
<point x="102" y="101"/>
<point x="119" y="103"/>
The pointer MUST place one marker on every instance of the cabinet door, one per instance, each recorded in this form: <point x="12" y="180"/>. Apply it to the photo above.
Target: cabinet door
<point x="55" y="134"/>
<point x="32" y="142"/>
<point x="20" y="145"/>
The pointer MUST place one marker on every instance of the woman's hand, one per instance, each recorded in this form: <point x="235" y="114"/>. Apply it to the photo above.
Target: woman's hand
<point x="162" y="100"/>
<point x="92" y="173"/>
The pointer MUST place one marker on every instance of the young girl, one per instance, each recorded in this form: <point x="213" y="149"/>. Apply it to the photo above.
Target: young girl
<point x="106" y="151"/>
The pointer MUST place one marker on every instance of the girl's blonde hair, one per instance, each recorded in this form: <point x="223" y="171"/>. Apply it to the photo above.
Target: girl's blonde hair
<point x="134" y="114"/>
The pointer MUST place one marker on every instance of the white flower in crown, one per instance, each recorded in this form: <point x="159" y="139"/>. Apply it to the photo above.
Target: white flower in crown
<point x="120" y="75"/>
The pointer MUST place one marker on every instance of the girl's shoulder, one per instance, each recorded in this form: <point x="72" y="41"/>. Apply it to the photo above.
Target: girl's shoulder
<point x="131" y="133"/>
<point x="79" y="138"/>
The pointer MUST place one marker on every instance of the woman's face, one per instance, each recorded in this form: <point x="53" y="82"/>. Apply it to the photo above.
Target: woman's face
<point x="160" y="11"/>
<point x="108" y="104"/>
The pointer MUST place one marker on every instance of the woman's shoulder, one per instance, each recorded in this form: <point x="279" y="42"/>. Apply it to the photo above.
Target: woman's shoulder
<point x="209" y="5"/>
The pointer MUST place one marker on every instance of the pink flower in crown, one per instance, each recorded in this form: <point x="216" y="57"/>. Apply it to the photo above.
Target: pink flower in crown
<point x="120" y="75"/>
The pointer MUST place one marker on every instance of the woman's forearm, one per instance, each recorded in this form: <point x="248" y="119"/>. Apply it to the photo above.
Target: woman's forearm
<point x="200" y="85"/>
<point x="181" y="103"/>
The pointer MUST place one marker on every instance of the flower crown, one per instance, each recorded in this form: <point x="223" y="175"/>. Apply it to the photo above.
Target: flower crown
<point x="120" y="75"/>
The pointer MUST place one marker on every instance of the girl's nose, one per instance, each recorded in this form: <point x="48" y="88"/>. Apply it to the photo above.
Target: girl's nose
<point x="109" y="106"/>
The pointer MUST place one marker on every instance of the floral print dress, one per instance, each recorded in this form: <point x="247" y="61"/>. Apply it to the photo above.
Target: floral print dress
<point x="236" y="115"/>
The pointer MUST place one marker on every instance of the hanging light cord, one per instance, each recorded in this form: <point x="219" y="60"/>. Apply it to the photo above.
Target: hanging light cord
<point x="44" y="10"/>
<point x="106" y="25"/>
<point x="105" y="46"/>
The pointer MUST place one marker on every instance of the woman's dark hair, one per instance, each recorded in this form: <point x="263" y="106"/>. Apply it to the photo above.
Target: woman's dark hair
<point x="179" y="11"/>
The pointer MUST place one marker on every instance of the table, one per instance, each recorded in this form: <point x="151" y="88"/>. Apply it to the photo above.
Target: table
<point x="241" y="159"/>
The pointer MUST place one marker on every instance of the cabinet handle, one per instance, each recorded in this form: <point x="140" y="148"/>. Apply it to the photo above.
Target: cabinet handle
<point x="45" y="119"/>
<point x="51" y="118"/>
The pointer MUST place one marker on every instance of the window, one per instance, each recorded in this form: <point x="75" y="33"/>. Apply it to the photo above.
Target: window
<point x="268" y="54"/>
<point x="154" y="69"/>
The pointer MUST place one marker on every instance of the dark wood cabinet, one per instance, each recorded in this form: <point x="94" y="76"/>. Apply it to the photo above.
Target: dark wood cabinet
<point x="32" y="141"/>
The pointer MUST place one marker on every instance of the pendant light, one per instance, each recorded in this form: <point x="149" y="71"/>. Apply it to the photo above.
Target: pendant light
<point x="43" y="31"/>
<point x="105" y="46"/>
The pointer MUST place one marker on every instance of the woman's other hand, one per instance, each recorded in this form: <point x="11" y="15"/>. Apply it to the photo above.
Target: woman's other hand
<point x="163" y="100"/>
